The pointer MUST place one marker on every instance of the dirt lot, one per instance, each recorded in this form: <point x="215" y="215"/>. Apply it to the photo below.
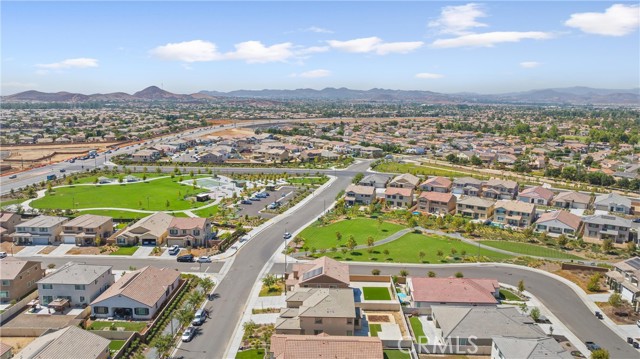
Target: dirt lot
<point x="25" y="320"/>
<point x="233" y="133"/>
<point x="581" y="278"/>
<point x="93" y="250"/>
<point x="378" y="318"/>
<point x="197" y="252"/>
<point x="17" y="343"/>
<point x="6" y="247"/>
<point x="47" y="250"/>
<point x="624" y="315"/>
<point x="63" y="151"/>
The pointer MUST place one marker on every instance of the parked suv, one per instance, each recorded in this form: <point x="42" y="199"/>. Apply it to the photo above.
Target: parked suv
<point x="174" y="250"/>
<point x="186" y="258"/>
<point x="200" y="317"/>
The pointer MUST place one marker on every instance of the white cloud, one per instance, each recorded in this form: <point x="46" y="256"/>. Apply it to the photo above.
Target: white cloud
<point x="617" y="20"/>
<point x="79" y="63"/>
<point x="313" y="74"/>
<point x="375" y="44"/>
<point x="318" y="30"/>
<point x="458" y="19"/>
<point x="428" y="75"/>
<point x="530" y="64"/>
<point x="187" y="51"/>
<point x="489" y="39"/>
<point x="256" y="52"/>
<point x="311" y="50"/>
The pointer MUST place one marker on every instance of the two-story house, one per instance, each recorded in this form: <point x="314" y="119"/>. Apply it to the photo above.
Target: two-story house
<point x="319" y="310"/>
<point x="151" y="229"/>
<point x="602" y="227"/>
<point x="77" y="283"/>
<point x="625" y="279"/>
<point x="190" y="232"/>
<point x="18" y="278"/>
<point x="145" y="155"/>
<point x="614" y="203"/>
<point x="41" y="230"/>
<point x="500" y="189"/>
<point x="323" y="272"/>
<point x="375" y="180"/>
<point x="436" y="184"/>
<point x="467" y="186"/>
<point x="571" y="200"/>
<point x="514" y="213"/>
<point x="437" y="203"/>
<point x="557" y="223"/>
<point x="475" y="207"/>
<point x="8" y="223"/>
<point x="356" y="194"/>
<point x="405" y="180"/>
<point x="84" y="229"/>
<point x="398" y="197"/>
<point x="538" y="195"/>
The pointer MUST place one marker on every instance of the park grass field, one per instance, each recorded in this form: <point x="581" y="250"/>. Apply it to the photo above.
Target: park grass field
<point x="324" y="237"/>
<point x="376" y="293"/>
<point x="395" y="167"/>
<point x="530" y="249"/>
<point x="407" y="248"/>
<point x="159" y="195"/>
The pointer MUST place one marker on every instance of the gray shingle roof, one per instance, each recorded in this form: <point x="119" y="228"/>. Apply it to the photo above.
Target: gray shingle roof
<point x="76" y="273"/>
<point x="68" y="343"/>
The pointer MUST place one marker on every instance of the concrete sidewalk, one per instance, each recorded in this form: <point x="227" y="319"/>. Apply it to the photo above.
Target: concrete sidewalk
<point x="29" y="251"/>
<point x="61" y="250"/>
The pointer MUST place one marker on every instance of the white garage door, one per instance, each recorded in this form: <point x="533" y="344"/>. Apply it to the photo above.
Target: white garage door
<point x="40" y="240"/>
<point x="69" y="239"/>
<point x="627" y="294"/>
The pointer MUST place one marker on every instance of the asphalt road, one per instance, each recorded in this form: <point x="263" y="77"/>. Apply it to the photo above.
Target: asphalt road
<point x="124" y="262"/>
<point x="555" y="295"/>
<point x="232" y="293"/>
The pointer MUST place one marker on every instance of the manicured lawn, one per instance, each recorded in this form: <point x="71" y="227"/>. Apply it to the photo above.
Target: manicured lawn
<point x="395" y="354"/>
<point x="376" y="293"/>
<point x="12" y="201"/>
<point x="125" y="251"/>
<point x="123" y="215"/>
<point x="374" y="329"/>
<point x="395" y="167"/>
<point x="92" y="179"/>
<point x="530" y="249"/>
<point x="158" y="193"/>
<point x="418" y="332"/>
<point x="251" y="354"/>
<point x="406" y="249"/>
<point x="128" y="326"/>
<point x="206" y="212"/>
<point x="509" y="295"/>
<point x="324" y="237"/>
<point x="274" y="290"/>
<point x="115" y="345"/>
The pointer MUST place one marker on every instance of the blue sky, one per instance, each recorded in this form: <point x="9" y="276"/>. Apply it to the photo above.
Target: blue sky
<point x="485" y="47"/>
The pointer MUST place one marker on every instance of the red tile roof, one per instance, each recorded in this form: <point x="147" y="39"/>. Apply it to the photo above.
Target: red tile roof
<point x="436" y="196"/>
<point x="187" y="223"/>
<point x="401" y="191"/>
<point x="325" y="347"/>
<point x="454" y="290"/>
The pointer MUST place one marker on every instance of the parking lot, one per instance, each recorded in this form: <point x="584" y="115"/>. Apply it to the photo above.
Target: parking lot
<point x="282" y="194"/>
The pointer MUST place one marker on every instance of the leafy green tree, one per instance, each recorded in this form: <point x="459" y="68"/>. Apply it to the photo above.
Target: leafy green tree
<point x="421" y="254"/>
<point x="338" y="236"/>
<point x="535" y="313"/>
<point x="607" y="245"/>
<point x="615" y="300"/>
<point x="351" y="243"/>
<point x="521" y="286"/>
<point x="459" y="275"/>
<point x="594" y="283"/>
<point x="404" y="273"/>
<point x="162" y="343"/>
<point x="375" y="271"/>
<point x="431" y="274"/>
<point x="600" y="354"/>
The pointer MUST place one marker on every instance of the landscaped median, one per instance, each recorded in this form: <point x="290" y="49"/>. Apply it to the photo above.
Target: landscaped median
<point x="337" y="234"/>
<point x="530" y="249"/>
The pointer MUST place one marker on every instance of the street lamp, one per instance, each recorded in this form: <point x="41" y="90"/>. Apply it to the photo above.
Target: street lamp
<point x="284" y="275"/>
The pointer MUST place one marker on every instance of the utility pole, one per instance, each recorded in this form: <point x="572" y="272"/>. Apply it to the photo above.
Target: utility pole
<point x="284" y="275"/>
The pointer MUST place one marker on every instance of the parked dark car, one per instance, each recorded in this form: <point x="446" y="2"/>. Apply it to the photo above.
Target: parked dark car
<point x="592" y="346"/>
<point x="245" y="201"/>
<point x="186" y="258"/>
<point x="599" y="315"/>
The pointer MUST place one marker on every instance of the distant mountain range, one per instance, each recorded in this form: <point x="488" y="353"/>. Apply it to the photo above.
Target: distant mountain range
<point x="569" y="95"/>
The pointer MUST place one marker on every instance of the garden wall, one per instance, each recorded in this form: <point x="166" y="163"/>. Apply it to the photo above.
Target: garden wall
<point x="17" y="308"/>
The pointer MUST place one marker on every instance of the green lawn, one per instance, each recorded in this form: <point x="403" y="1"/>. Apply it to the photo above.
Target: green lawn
<point x="406" y="249"/>
<point x="395" y="354"/>
<point x="530" y="249"/>
<point x="395" y="167"/>
<point x="509" y="295"/>
<point x="376" y="293"/>
<point x="324" y="237"/>
<point x="158" y="193"/>
<point x="274" y="290"/>
<point x="251" y="354"/>
<point x="92" y="179"/>
<point x="125" y="251"/>
<point x="206" y="212"/>
<point x="124" y="215"/>
<point x="128" y="326"/>
<point x="374" y="329"/>
<point x="12" y="201"/>
<point x="418" y="332"/>
<point x="115" y="345"/>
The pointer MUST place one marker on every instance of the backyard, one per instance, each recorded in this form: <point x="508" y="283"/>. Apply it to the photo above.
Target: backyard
<point x="418" y="332"/>
<point x="419" y="248"/>
<point x="115" y="345"/>
<point x="395" y="354"/>
<point x="128" y="326"/>
<point x="530" y="249"/>
<point x="376" y="293"/>
<point x="325" y="236"/>
<point x="374" y="329"/>
<point x="251" y="354"/>
<point x="158" y="195"/>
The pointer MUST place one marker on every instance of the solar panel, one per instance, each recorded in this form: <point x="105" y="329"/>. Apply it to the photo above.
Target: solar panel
<point x="635" y="263"/>
<point x="312" y="273"/>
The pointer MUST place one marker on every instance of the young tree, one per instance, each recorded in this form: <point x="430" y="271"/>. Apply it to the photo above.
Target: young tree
<point x="338" y="236"/>
<point x="440" y="253"/>
<point x="459" y="275"/>
<point x="535" y="313"/>
<point x="207" y="284"/>
<point x="162" y="343"/>
<point x="351" y="243"/>
<point x="386" y="252"/>
<point x="594" y="283"/>
<point x="270" y="280"/>
<point x="631" y="247"/>
<point x="404" y="273"/>
<point x="421" y="254"/>
<point x="607" y="245"/>
<point x="615" y="300"/>
<point x="370" y="241"/>
<point x="431" y="274"/>
<point x="562" y="240"/>
<point x="470" y="228"/>
<point x="98" y="240"/>
<point x="600" y="354"/>
<point x="521" y="286"/>
<point x="184" y="316"/>
<point x="375" y="271"/>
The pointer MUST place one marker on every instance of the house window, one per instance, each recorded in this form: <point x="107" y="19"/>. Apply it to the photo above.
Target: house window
<point x="47" y="286"/>
<point x="173" y="232"/>
<point x="82" y="299"/>
<point x="349" y="321"/>
<point x="141" y="311"/>
<point x="318" y="321"/>
<point x="196" y="232"/>
<point x="46" y="299"/>
<point x="43" y="230"/>
<point x="101" y="310"/>
<point x="121" y="241"/>
<point x="349" y="333"/>
<point x="4" y="294"/>
<point x="79" y="286"/>
<point x="6" y="282"/>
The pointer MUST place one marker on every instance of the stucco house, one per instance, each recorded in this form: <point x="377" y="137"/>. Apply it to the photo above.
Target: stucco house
<point x="357" y="194"/>
<point x="571" y="200"/>
<point x="84" y="229"/>
<point x="18" y="278"/>
<point x="148" y="230"/>
<point x="323" y="272"/>
<point x="557" y="223"/>
<point x="399" y="197"/>
<point x="78" y="283"/>
<point x="190" y="232"/>
<point x="537" y="195"/>
<point x="437" y="203"/>
<point x="437" y="184"/>
<point x="614" y="203"/>
<point x="514" y="213"/>
<point x="40" y="230"/>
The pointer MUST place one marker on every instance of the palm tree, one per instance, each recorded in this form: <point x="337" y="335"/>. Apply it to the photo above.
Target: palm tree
<point x="163" y="343"/>
<point x="184" y="315"/>
<point x="195" y="298"/>
<point x="404" y="273"/>
<point x="207" y="284"/>
<point x="422" y="254"/>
